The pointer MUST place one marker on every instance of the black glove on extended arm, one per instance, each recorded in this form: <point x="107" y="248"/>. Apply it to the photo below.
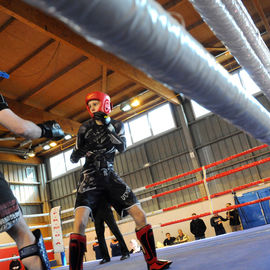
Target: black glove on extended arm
<point x="3" y="103"/>
<point x="52" y="130"/>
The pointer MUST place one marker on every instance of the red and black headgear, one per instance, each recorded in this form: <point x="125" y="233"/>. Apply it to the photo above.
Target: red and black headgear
<point x="104" y="99"/>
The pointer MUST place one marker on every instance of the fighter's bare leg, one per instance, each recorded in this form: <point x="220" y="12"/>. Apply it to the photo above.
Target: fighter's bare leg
<point x="77" y="243"/>
<point x="23" y="237"/>
<point x="138" y="215"/>
<point x="81" y="219"/>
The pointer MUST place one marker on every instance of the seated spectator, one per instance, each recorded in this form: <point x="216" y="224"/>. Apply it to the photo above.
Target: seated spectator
<point x="198" y="228"/>
<point x="216" y="222"/>
<point x="181" y="237"/>
<point x="135" y="247"/>
<point x="169" y="240"/>
<point x="96" y="248"/>
<point x="116" y="249"/>
<point x="233" y="217"/>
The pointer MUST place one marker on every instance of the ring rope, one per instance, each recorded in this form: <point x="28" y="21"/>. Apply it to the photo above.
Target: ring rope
<point x="238" y="169"/>
<point x="200" y="169"/>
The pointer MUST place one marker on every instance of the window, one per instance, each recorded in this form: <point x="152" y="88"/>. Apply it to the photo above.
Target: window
<point x="139" y="128"/>
<point x="149" y="124"/>
<point x="57" y="165"/>
<point x="161" y="119"/>
<point x="198" y="110"/>
<point x="251" y="87"/>
<point x="69" y="164"/>
<point x="61" y="164"/>
<point x="127" y="134"/>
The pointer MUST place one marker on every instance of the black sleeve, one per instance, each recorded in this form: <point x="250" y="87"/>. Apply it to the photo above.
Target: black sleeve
<point x="222" y="218"/>
<point x="117" y="135"/>
<point x="191" y="228"/>
<point x="80" y="148"/>
<point x="203" y="226"/>
<point x="212" y="222"/>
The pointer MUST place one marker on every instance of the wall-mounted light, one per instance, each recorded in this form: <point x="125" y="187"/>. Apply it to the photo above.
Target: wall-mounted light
<point x="31" y="153"/>
<point x="46" y="147"/>
<point x="125" y="107"/>
<point x="52" y="144"/>
<point x="135" y="103"/>
<point x="67" y="137"/>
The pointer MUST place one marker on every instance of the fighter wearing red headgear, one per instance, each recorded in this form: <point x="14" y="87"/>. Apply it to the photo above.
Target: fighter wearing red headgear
<point x="104" y="99"/>
<point x="97" y="141"/>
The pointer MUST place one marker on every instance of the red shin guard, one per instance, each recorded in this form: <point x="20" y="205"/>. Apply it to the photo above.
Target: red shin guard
<point x="146" y="238"/>
<point x="77" y="247"/>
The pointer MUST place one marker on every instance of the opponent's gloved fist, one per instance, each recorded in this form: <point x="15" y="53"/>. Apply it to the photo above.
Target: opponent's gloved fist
<point x="3" y="103"/>
<point x="102" y="117"/>
<point x="52" y="130"/>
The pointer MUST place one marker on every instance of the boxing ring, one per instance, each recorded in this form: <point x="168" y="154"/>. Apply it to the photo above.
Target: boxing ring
<point x="184" y="66"/>
<point x="243" y="250"/>
<point x="238" y="250"/>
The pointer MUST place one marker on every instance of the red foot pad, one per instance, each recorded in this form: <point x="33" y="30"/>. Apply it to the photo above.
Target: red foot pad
<point x="158" y="265"/>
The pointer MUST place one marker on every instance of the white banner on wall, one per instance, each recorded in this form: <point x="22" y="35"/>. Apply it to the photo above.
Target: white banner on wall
<point x="57" y="235"/>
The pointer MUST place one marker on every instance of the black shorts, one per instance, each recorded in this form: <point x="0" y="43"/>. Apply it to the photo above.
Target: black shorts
<point x="95" y="185"/>
<point x="9" y="208"/>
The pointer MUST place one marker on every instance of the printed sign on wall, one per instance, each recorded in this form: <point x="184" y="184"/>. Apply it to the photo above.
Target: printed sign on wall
<point x="57" y="235"/>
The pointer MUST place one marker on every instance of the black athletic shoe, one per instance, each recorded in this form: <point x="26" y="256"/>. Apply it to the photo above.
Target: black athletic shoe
<point x="104" y="260"/>
<point x="124" y="257"/>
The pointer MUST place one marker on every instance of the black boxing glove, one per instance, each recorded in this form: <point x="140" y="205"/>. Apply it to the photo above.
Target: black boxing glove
<point x="51" y="130"/>
<point x="3" y="103"/>
<point x="102" y="117"/>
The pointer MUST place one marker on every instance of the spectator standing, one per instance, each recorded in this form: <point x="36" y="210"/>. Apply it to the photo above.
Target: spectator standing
<point x="233" y="217"/>
<point x="216" y="222"/>
<point x="197" y="227"/>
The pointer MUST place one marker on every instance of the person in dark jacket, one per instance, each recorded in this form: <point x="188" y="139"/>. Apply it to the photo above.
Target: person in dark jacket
<point x="233" y="217"/>
<point x="216" y="222"/>
<point x="103" y="213"/>
<point x="198" y="228"/>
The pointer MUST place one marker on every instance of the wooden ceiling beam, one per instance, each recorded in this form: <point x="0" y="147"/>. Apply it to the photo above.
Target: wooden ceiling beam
<point x="58" y="31"/>
<point x="259" y="9"/>
<point x="54" y="77"/>
<point x="36" y="115"/>
<point x="6" y="24"/>
<point x="75" y="92"/>
<point x="30" y="56"/>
